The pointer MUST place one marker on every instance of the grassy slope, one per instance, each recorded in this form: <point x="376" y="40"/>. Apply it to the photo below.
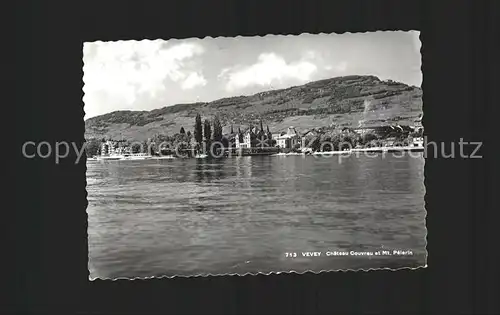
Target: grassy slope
<point x="341" y="102"/>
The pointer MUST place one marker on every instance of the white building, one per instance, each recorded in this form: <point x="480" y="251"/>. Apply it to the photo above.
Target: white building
<point x="259" y="137"/>
<point x="108" y="148"/>
<point x="114" y="148"/>
<point x="247" y="139"/>
<point x="242" y="145"/>
<point x="418" y="142"/>
<point x="289" y="140"/>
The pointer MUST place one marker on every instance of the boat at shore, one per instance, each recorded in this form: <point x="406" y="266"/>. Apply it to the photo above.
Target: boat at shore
<point x="121" y="157"/>
<point x="110" y="157"/>
<point x="137" y="156"/>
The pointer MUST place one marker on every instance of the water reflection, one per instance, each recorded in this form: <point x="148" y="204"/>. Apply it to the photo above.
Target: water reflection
<point x="211" y="170"/>
<point x="243" y="213"/>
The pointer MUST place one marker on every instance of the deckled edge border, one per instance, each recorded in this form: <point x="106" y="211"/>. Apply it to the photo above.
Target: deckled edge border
<point x="271" y="272"/>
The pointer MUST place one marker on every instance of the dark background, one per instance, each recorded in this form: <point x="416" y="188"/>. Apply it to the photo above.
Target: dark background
<point x="48" y="229"/>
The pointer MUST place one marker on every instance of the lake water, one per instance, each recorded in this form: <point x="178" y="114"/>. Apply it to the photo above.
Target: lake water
<point x="243" y="214"/>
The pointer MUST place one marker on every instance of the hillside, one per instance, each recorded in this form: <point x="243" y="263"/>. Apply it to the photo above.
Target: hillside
<point x="349" y="101"/>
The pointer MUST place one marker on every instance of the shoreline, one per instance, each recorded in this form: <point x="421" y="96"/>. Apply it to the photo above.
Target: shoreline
<point x="359" y="150"/>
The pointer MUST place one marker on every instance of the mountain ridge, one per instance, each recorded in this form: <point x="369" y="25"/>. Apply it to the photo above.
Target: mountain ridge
<point x="347" y="101"/>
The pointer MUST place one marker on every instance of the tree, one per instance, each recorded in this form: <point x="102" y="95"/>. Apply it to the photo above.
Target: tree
<point x="150" y="145"/>
<point x="358" y="139"/>
<point x="198" y="129"/>
<point x="182" y="131"/>
<point x="207" y="131"/>
<point x="253" y="138"/>
<point x="327" y="143"/>
<point x="145" y="146"/>
<point x="240" y="135"/>
<point x="368" y="138"/>
<point x="375" y="144"/>
<point x="217" y="129"/>
<point x="189" y="134"/>
<point x="347" y="141"/>
<point x="417" y="133"/>
<point x="136" y="148"/>
<point x="315" y="144"/>
<point x="93" y="147"/>
<point x="156" y="138"/>
<point x="269" y="137"/>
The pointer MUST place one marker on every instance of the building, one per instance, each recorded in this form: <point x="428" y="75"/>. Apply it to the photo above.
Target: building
<point x="110" y="147"/>
<point x="241" y="142"/>
<point x="418" y="127"/>
<point x="289" y="139"/>
<point x="418" y="142"/>
<point x="253" y="138"/>
<point x="390" y="142"/>
<point x="247" y="138"/>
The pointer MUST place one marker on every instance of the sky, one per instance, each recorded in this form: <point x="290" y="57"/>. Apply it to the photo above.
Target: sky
<point x="144" y="75"/>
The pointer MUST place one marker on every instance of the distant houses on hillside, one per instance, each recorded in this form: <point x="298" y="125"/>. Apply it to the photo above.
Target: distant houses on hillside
<point x="386" y="131"/>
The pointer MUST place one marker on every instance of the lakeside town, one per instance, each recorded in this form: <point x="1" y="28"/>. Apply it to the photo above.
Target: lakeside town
<point x="207" y="140"/>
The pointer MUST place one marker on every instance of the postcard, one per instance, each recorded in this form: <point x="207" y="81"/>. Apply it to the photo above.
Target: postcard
<point x="250" y="155"/>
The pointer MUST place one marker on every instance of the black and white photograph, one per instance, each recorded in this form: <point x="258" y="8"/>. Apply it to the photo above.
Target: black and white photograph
<point x="248" y="155"/>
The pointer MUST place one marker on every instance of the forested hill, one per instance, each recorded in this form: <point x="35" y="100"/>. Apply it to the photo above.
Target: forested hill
<point x="349" y="101"/>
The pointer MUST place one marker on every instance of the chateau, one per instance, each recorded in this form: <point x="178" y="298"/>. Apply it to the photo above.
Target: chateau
<point x="254" y="138"/>
<point x="289" y="139"/>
